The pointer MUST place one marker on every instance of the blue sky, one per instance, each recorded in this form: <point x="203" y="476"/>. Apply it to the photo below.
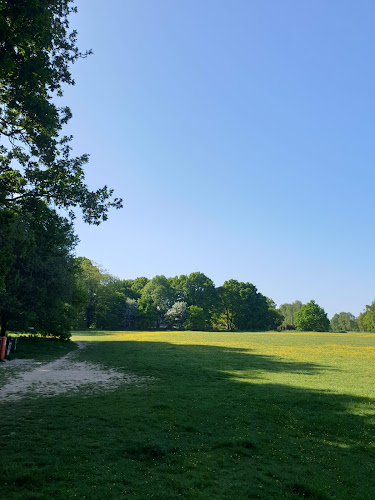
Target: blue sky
<point x="240" y="135"/>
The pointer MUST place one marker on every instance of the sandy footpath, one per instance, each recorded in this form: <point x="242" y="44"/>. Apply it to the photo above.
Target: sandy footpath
<point x="30" y="378"/>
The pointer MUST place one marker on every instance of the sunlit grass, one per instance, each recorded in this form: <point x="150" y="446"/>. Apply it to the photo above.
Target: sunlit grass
<point x="343" y="356"/>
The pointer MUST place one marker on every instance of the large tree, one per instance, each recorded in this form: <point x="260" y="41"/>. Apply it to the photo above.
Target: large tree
<point x="101" y="289"/>
<point x="196" y="289"/>
<point x="37" y="48"/>
<point x="40" y="288"/>
<point x="243" y="307"/>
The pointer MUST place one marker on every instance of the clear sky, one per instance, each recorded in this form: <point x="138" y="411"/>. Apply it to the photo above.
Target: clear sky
<point x="240" y="134"/>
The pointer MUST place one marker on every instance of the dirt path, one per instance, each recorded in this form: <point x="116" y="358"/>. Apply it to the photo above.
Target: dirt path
<point x="30" y="378"/>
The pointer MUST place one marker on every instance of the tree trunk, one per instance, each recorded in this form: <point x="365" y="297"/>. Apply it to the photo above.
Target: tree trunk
<point x="3" y="327"/>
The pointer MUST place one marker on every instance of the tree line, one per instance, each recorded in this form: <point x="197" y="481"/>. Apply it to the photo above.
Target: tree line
<point x="49" y="291"/>
<point x="193" y="302"/>
<point x="184" y="302"/>
<point x="43" y="287"/>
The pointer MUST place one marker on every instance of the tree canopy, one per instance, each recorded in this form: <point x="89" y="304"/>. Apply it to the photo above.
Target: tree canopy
<point x="37" y="48"/>
<point x="367" y="318"/>
<point x="40" y="288"/>
<point x="288" y="311"/>
<point x="344" y="322"/>
<point x="311" y="317"/>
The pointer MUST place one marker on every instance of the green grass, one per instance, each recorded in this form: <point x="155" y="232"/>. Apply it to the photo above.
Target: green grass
<point x="227" y="416"/>
<point x="41" y="349"/>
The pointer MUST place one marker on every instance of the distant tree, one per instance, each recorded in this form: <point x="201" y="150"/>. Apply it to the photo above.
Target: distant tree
<point x="196" y="289"/>
<point x="289" y="310"/>
<point x="344" y="322"/>
<point x="200" y="291"/>
<point x="110" y="308"/>
<point x="137" y="285"/>
<point x="243" y="307"/>
<point x="158" y="294"/>
<point x="196" y="319"/>
<point x="367" y="318"/>
<point x="311" y="317"/>
<point x="147" y="316"/>
<point x="93" y="279"/>
<point x="179" y="284"/>
<point x="129" y="314"/>
<point x="275" y="317"/>
<point x="175" y="317"/>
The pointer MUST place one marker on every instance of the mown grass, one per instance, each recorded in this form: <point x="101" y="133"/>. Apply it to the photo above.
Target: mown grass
<point x="228" y="415"/>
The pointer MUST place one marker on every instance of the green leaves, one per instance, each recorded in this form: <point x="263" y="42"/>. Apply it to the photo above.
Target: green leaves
<point x="36" y="50"/>
<point x="38" y="287"/>
<point x="311" y="317"/>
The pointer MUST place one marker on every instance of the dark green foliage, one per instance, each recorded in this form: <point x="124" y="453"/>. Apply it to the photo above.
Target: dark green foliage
<point x="196" y="289"/>
<point x="146" y="317"/>
<point x="37" y="48"/>
<point x="282" y="328"/>
<point x="275" y="318"/>
<point x="158" y="303"/>
<point x="311" y="317"/>
<point x="100" y="288"/>
<point x="42" y="349"/>
<point x="244" y="308"/>
<point x="110" y="309"/>
<point x="39" y="288"/>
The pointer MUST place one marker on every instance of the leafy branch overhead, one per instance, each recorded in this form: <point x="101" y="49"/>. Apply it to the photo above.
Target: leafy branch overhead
<point x="37" y="48"/>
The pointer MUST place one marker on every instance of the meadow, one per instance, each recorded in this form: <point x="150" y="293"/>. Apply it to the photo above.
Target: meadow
<point x="222" y="416"/>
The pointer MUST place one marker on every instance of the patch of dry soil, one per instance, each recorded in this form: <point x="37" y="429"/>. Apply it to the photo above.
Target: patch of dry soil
<point x="30" y="378"/>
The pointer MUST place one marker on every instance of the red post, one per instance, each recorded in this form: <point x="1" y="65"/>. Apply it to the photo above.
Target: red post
<point x="2" y="348"/>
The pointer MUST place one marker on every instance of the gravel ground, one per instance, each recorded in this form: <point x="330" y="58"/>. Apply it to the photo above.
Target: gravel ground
<point x="30" y="378"/>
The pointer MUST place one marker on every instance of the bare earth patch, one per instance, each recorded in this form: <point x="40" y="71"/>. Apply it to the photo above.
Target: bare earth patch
<point x="31" y="378"/>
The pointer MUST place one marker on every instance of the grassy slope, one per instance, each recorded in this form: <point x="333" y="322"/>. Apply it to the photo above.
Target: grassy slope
<point x="243" y="415"/>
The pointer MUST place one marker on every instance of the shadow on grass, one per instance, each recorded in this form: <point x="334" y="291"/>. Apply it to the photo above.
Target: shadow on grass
<point x="197" y="431"/>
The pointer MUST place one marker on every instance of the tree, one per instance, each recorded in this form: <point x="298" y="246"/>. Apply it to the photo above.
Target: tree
<point x="133" y="288"/>
<point x="344" y="322"/>
<point x="243" y="307"/>
<point x="92" y="279"/>
<point x="311" y="317"/>
<point x="275" y="317"/>
<point x="129" y="314"/>
<point x="40" y="288"/>
<point x="196" y="319"/>
<point x="157" y="294"/>
<point x="36" y="49"/>
<point x="110" y="309"/>
<point x="175" y="316"/>
<point x="288" y="311"/>
<point x="367" y="318"/>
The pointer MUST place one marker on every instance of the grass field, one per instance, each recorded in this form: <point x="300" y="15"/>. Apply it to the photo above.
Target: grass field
<point x="226" y="416"/>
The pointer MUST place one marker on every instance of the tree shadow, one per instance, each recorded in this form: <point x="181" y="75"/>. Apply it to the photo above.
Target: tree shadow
<point x="305" y="441"/>
<point x="215" y="422"/>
